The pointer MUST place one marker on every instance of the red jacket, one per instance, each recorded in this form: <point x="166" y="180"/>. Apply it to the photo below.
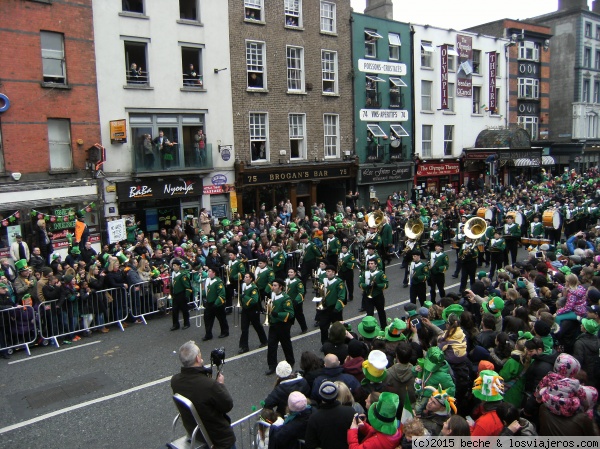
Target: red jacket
<point x="487" y="425"/>
<point x="372" y="439"/>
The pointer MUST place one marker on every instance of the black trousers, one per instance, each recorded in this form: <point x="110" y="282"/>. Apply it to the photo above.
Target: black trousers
<point x="469" y="267"/>
<point x="332" y="259"/>
<point x="418" y="291"/>
<point x="210" y="313"/>
<point x="512" y="246"/>
<point x="229" y="293"/>
<point x="180" y="303"/>
<point x="280" y="333"/>
<point x="376" y="303"/>
<point x="458" y="264"/>
<point x="280" y="274"/>
<point x="299" y="315"/>
<point x="348" y="277"/>
<point x="251" y="316"/>
<point x="436" y="282"/>
<point x="497" y="258"/>
<point x="306" y="270"/>
<point x="326" y="318"/>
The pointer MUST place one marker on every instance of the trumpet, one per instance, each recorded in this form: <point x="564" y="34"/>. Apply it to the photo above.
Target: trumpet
<point x="323" y="293"/>
<point x="370" y="295"/>
<point x="253" y="269"/>
<point x="269" y="310"/>
<point x="301" y="257"/>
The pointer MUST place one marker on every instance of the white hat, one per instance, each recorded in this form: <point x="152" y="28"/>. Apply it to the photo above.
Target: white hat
<point x="283" y="369"/>
<point x="378" y="359"/>
<point x="545" y="247"/>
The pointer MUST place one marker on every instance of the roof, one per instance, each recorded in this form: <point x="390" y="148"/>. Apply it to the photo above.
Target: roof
<point x="512" y="138"/>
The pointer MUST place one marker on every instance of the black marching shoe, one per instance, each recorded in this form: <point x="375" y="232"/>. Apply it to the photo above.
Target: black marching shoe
<point x="185" y="326"/>
<point x="455" y="276"/>
<point x="243" y="350"/>
<point x="224" y="335"/>
<point x="206" y="338"/>
<point x="174" y="328"/>
<point x="270" y="371"/>
<point x="263" y="345"/>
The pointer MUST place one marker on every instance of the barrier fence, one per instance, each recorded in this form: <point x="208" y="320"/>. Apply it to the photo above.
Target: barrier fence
<point x="17" y="328"/>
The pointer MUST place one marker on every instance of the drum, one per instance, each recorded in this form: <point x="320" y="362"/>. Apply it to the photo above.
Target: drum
<point x="527" y="241"/>
<point x="454" y="244"/>
<point x="535" y="241"/>
<point x="486" y="213"/>
<point x="481" y="247"/>
<point x="551" y="219"/>
<point x="545" y="241"/>
<point x="518" y="216"/>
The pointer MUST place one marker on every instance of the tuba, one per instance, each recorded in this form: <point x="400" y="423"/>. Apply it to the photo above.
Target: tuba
<point x="414" y="228"/>
<point x="474" y="229"/>
<point x="376" y="220"/>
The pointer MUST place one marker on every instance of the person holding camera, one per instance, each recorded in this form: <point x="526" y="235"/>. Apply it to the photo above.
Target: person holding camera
<point x="209" y="396"/>
<point x="280" y="312"/>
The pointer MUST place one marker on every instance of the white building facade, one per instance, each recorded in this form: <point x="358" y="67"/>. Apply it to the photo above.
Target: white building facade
<point x="163" y="76"/>
<point x="460" y="83"/>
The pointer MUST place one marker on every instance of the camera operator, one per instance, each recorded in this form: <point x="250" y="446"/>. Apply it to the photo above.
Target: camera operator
<point x="209" y="396"/>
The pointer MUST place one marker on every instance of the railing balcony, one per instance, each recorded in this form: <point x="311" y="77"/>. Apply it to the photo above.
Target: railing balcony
<point x="176" y="157"/>
<point x="137" y="78"/>
<point x="384" y="153"/>
<point x="396" y="99"/>
<point x="373" y="99"/>
<point x="190" y="81"/>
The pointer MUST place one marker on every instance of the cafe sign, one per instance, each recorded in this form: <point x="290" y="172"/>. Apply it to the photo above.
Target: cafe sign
<point x="150" y="188"/>
<point x="284" y="175"/>
<point x="382" y="67"/>
<point x="384" y="174"/>
<point x="383" y="115"/>
<point x="118" y="131"/>
<point x="450" y="168"/>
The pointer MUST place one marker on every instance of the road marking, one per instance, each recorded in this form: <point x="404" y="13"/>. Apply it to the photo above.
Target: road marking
<point x="71" y="408"/>
<point x="54" y="352"/>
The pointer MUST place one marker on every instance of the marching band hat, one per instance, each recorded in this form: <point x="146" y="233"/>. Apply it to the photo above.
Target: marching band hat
<point x="370" y="246"/>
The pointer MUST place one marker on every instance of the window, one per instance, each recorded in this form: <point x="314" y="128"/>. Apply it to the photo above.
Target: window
<point x="597" y="61"/>
<point x="254" y="10"/>
<point x="448" y="137"/>
<point x="587" y="57"/>
<point x="477" y="62"/>
<point x="596" y="91"/>
<point x="396" y="97"/>
<point x="328" y="24"/>
<point x="529" y="88"/>
<point x="529" y="50"/>
<point x="191" y="61"/>
<point x="136" y="64"/>
<point x="331" y="132"/>
<point x="585" y="91"/>
<point x="53" y="58"/>
<point x="293" y="13"/>
<point x="394" y="46"/>
<point x="476" y="100"/>
<point x="529" y="124"/>
<point x="329" y="71"/>
<point x="295" y="69"/>
<point x="258" y="136"/>
<point x="598" y="32"/>
<point x="297" y="136"/>
<point x="592" y="125"/>
<point x="136" y="6"/>
<point x="373" y="100"/>
<point x="59" y="142"/>
<point x="498" y="103"/>
<point x="371" y="38"/>
<point x="588" y="29"/>
<point x="452" y="54"/>
<point x="188" y="10"/>
<point x="426" y="131"/>
<point x="426" y="53"/>
<point x="398" y="131"/>
<point x="426" y="87"/>
<point x="255" y="65"/>
<point x="450" y="97"/>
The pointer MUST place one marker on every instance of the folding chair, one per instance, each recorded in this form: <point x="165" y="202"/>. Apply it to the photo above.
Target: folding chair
<point x="199" y="438"/>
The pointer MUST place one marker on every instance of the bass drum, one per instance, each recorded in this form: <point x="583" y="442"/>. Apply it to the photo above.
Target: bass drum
<point x="486" y="213"/>
<point x="551" y="219"/>
<point x="518" y="216"/>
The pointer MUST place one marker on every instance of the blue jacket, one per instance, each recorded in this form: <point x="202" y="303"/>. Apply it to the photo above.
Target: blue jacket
<point x="333" y="374"/>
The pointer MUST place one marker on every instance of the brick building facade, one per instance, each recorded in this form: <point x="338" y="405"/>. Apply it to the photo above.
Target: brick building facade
<point x="48" y="74"/>
<point x="291" y="71"/>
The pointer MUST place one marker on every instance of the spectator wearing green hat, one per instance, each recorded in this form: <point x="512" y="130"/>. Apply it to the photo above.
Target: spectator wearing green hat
<point x="382" y="431"/>
<point x="432" y="371"/>
<point x="5" y="303"/>
<point x="586" y="350"/>
<point x="368" y="328"/>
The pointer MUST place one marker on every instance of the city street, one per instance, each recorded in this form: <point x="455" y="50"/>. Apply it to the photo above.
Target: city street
<point x="113" y="390"/>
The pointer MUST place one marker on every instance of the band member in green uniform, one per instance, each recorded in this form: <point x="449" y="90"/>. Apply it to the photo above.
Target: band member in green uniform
<point x="439" y="265"/>
<point x="468" y="255"/>
<point x="497" y="248"/>
<point x="512" y="236"/>
<point x="294" y="288"/>
<point x="333" y="302"/>
<point x="214" y="297"/>
<point x="182" y="292"/>
<point x="333" y="247"/>
<point x="277" y="260"/>
<point x="280" y="311"/>
<point x="250" y="313"/>
<point x="419" y="275"/>
<point x="346" y="263"/>
<point x="370" y="253"/>
<point x="309" y="258"/>
<point x="373" y="282"/>
<point x="236" y="271"/>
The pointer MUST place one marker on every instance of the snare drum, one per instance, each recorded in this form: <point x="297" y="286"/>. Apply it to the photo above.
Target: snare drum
<point x="517" y="215"/>
<point x="481" y="247"/>
<point x="535" y="241"/>
<point x="545" y="241"/>
<point x="527" y="241"/>
<point x="486" y="213"/>
<point x="551" y="219"/>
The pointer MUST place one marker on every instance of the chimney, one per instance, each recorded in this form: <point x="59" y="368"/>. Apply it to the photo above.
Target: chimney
<point x="384" y="9"/>
<point x="596" y="6"/>
<point x="572" y="4"/>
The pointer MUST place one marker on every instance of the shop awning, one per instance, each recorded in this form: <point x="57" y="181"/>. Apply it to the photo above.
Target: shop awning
<point x="523" y="162"/>
<point x="548" y="160"/>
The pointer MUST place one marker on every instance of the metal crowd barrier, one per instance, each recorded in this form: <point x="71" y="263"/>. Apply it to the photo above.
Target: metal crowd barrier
<point x="245" y="431"/>
<point x="60" y="319"/>
<point x="17" y="328"/>
<point x="149" y="297"/>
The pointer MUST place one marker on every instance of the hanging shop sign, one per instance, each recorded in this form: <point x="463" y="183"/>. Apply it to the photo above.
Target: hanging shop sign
<point x="444" y="80"/>
<point x="118" y="131"/>
<point x="493" y="66"/>
<point x="442" y="169"/>
<point x="464" y="80"/>
<point x="217" y="190"/>
<point x="383" y="115"/>
<point x="160" y="188"/>
<point x="295" y="175"/>
<point x="384" y="174"/>
<point x="382" y="67"/>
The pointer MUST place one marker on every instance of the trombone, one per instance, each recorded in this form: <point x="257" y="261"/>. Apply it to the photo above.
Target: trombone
<point x="323" y="293"/>
<point x="227" y="272"/>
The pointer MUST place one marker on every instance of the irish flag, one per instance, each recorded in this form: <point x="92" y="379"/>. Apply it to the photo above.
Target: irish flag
<point x="407" y="411"/>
